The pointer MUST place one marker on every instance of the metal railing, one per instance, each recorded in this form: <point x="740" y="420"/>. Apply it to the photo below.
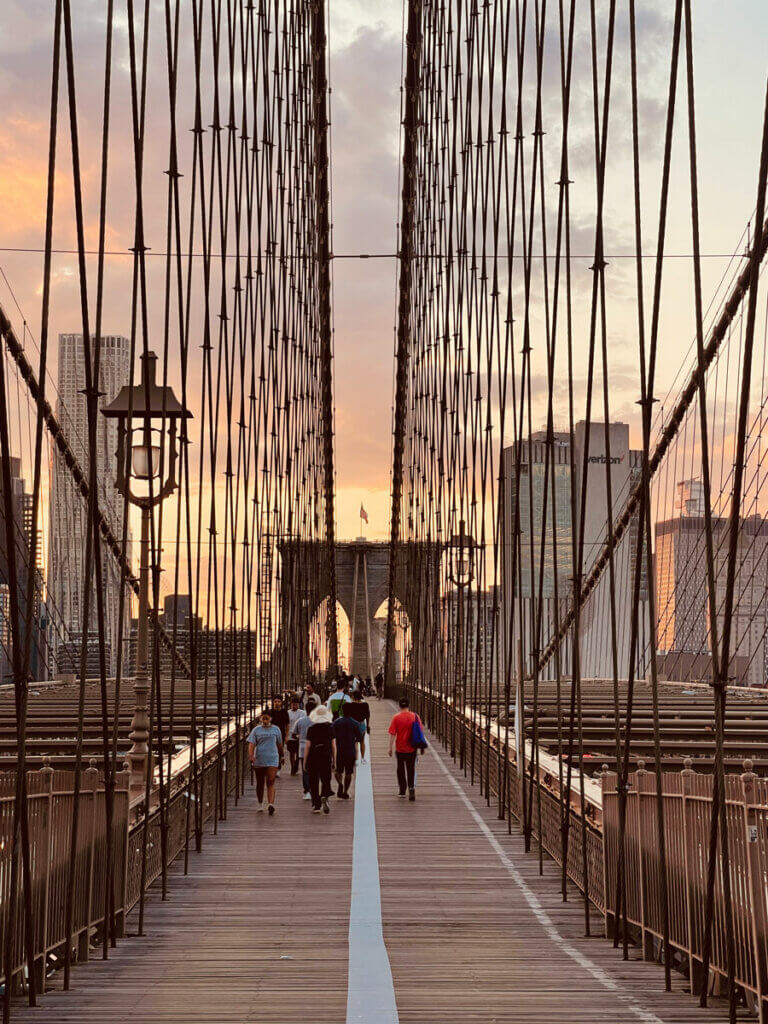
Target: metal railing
<point x="687" y="812"/>
<point x="487" y="750"/>
<point x="51" y="795"/>
<point x="219" y="770"/>
<point x="214" y="784"/>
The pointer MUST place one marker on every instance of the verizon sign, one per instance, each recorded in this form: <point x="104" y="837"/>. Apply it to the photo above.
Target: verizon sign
<point x="615" y="460"/>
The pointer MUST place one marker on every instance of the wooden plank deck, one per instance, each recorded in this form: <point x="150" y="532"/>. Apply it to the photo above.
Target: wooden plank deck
<point x="463" y="940"/>
<point x="258" y="929"/>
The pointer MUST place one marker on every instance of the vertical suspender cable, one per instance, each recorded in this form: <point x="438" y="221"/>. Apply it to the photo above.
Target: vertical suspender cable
<point x="323" y="256"/>
<point x="405" y="255"/>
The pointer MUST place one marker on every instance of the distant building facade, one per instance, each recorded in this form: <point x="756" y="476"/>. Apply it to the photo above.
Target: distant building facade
<point x="539" y="578"/>
<point x="68" y="512"/>
<point x="482" y="637"/>
<point x="69" y="654"/>
<point x="223" y="651"/>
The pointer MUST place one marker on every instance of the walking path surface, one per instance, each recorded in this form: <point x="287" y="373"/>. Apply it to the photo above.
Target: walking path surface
<point x="259" y="929"/>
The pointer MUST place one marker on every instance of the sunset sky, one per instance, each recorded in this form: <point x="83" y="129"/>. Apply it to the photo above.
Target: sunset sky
<point x="365" y="62"/>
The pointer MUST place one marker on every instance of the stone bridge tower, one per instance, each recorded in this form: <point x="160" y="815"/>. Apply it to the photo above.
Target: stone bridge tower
<point x="362" y="583"/>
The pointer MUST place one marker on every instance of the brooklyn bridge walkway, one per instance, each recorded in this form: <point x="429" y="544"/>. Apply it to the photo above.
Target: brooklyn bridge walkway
<point x="279" y="921"/>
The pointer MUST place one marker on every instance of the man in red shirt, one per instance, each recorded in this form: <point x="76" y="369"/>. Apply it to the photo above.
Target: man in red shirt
<point x="400" y="729"/>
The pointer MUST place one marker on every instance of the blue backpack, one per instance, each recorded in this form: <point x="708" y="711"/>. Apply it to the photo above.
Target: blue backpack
<point x="418" y="739"/>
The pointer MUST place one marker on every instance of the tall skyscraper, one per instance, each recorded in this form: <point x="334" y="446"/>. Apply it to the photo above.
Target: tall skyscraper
<point x="548" y="572"/>
<point x="68" y="511"/>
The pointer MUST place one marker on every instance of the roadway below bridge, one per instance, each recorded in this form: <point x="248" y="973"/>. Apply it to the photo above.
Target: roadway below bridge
<point x="383" y="911"/>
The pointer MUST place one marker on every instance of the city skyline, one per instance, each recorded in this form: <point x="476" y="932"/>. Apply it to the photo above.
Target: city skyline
<point x="365" y="55"/>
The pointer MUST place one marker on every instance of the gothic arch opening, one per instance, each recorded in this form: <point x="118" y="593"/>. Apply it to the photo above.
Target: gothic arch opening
<point x="319" y="655"/>
<point x="403" y="638"/>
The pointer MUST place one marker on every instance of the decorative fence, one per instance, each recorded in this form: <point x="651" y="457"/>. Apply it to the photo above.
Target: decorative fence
<point x="50" y="805"/>
<point x="483" y="748"/>
<point x="216" y="781"/>
<point x="51" y="796"/>
<point x="687" y="815"/>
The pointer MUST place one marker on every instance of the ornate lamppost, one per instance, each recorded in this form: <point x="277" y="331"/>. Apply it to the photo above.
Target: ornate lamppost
<point x="146" y="475"/>
<point x="461" y="572"/>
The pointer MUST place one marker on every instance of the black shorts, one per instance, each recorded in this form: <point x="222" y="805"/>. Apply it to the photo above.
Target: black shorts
<point x="345" y="764"/>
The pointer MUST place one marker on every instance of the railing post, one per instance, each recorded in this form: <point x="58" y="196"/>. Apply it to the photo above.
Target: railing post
<point x="91" y="782"/>
<point x="697" y="979"/>
<point x="46" y="773"/>
<point x="641" y="776"/>
<point x="520" y="737"/>
<point x="606" y="778"/>
<point x="756" y="879"/>
<point x="124" y="786"/>
<point x="694" y="964"/>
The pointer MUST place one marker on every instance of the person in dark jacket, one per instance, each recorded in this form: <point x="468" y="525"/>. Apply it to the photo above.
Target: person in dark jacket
<point x="361" y="712"/>
<point x="348" y="733"/>
<point x="319" y="755"/>
<point x="280" y="716"/>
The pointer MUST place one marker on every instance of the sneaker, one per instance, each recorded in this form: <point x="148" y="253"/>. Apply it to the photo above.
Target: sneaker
<point x="260" y="807"/>
<point x="307" y="796"/>
<point x="411" y="794"/>
<point x="315" y="810"/>
<point x="344" y="796"/>
<point x="401" y="795"/>
<point x="271" y="808"/>
<point x="340" y="792"/>
<point x="326" y="808"/>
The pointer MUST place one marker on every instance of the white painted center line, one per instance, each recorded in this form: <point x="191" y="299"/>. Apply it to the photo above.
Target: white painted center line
<point x="370" y="990"/>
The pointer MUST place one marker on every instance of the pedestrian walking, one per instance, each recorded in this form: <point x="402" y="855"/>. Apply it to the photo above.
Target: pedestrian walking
<point x="311" y="693"/>
<point x="295" y="712"/>
<point x="401" y="740"/>
<point x="280" y="719"/>
<point x="348" y="733"/>
<point x="265" y="752"/>
<point x="300" y="731"/>
<point x="279" y="715"/>
<point x="360" y="710"/>
<point x="379" y="681"/>
<point x="337" y="698"/>
<point x="319" y="755"/>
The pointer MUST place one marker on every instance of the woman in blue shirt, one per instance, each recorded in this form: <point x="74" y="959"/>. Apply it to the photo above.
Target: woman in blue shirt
<point x="265" y="752"/>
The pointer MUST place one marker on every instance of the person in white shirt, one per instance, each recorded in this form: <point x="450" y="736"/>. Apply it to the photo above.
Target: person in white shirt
<point x="295" y="712"/>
